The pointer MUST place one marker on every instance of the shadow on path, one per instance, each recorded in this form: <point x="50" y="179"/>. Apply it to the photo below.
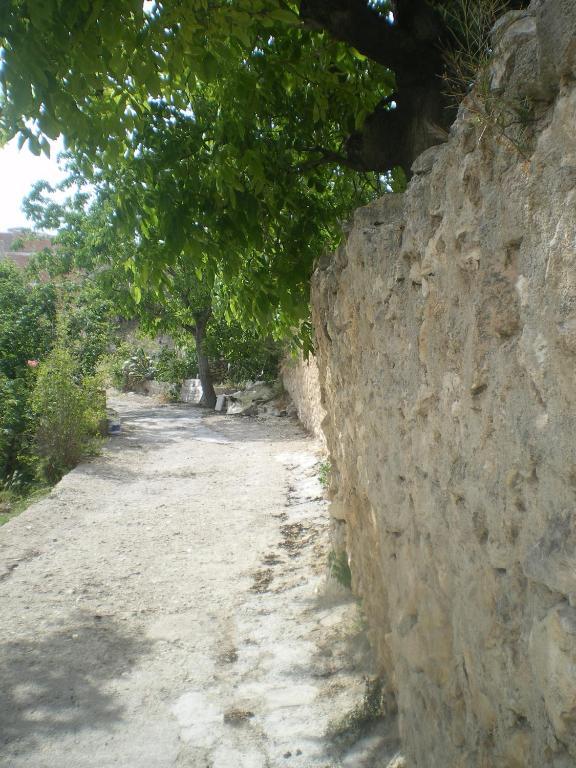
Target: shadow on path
<point x="56" y="683"/>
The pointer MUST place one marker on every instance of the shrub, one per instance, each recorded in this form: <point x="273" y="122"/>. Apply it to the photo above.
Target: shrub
<point x="68" y="413"/>
<point x="110" y="367"/>
<point x="16" y="432"/>
<point x="90" y="323"/>
<point x="174" y="365"/>
<point x="340" y="569"/>
<point x="137" y="369"/>
<point x="238" y="355"/>
<point x="27" y="318"/>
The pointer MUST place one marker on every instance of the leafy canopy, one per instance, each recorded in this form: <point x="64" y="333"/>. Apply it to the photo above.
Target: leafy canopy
<point x="86" y="251"/>
<point x="212" y="131"/>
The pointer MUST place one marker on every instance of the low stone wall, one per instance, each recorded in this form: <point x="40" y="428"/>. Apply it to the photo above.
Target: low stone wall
<point x="301" y="381"/>
<point x="446" y="332"/>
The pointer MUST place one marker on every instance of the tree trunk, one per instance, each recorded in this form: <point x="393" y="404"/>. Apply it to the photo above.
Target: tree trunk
<point x="208" y="393"/>
<point x="412" y="47"/>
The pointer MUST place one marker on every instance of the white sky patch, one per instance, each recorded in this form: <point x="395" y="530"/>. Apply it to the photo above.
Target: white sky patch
<point x="19" y="170"/>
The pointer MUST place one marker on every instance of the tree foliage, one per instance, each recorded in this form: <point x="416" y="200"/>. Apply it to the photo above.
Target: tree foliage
<point x="31" y="307"/>
<point x="232" y="134"/>
<point x="214" y="131"/>
<point x="189" y="305"/>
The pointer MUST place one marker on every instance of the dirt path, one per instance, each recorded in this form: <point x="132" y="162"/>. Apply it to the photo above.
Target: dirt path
<point x="164" y="607"/>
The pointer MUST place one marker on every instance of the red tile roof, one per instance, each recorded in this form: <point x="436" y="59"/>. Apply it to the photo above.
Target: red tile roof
<point x="27" y="244"/>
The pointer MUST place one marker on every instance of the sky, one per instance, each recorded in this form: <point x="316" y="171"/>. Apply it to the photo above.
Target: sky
<point x="19" y="170"/>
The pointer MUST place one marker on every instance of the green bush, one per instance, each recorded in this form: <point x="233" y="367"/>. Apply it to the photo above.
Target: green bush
<point x="238" y="355"/>
<point x="17" y="461"/>
<point x="176" y="365"/>
<point x="90" y="324"/>
<point x="137" y="369"/>
<point x="68" y="412"/>
<point x="110" y="367"/>
<point x="27" y="320"/>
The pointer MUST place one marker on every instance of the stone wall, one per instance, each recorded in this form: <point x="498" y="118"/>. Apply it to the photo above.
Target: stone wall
<point x="446" y="333"/>
<point x="301" y="381"/>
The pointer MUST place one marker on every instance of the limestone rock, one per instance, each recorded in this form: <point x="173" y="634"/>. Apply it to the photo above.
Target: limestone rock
<point x="552" y="560"/>
<point x="300" y="379"/>
<point x="246" y="402"/>
<point x="445" y="331"/>
<point x="220" y="402"/>
<point x="191" y="391"/>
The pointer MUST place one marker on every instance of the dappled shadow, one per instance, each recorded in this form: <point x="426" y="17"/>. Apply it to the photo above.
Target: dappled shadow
<point x="146" y="428"/>
<point x="56" y="683"/>
<point x="154" y="412"/>
<point x="108" y="471"/>
<point x="255" y="429"/>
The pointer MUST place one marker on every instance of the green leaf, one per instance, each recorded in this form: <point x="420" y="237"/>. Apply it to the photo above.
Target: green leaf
<point x="45" y="146"/>
<point x="357" y="54"/>
<point x="34" y="145"/>
<point x="285" y="16"/>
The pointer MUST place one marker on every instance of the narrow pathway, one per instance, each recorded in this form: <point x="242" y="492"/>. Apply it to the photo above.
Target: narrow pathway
<point x="164" y="607"/>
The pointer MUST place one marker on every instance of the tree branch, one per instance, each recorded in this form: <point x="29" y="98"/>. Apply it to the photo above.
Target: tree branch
<point x="409" y="46"/>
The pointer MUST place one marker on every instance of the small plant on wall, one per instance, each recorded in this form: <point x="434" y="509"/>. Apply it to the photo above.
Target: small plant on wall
<point x="339" y="568"/>
<point x="324" y="471"/>
<point x="467" y="75"/>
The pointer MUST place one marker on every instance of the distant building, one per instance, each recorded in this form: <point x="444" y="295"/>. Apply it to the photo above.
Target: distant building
<point x="19" y="245"/>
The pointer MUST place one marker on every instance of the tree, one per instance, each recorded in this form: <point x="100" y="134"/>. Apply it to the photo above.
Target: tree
<point x="236" y="134"/>
<point x="66" y="64"/>
<point x="87" y="241"/>
<point x="183" y="306"/>
<point x="187" y="304"/>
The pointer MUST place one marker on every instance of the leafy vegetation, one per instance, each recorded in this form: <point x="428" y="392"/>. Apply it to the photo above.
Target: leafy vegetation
<point x="48" y="404"/>
<point x="190" y="305"/>
<point x="233" y="138"/>
<point x="176" y="365"/>
<point x="27" y="320"/>
<point x="340" y="569"/>
<point x="217" y="135"/>
<point x="16" y="431"/>
<point x="68" y="414"/>
<point x="324" y="471"/>
<point x="27" y="331"/>
<point x="137" y="369"/>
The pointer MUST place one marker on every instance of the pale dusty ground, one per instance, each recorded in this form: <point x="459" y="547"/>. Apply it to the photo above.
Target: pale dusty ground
<point x="166" y="606"/>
